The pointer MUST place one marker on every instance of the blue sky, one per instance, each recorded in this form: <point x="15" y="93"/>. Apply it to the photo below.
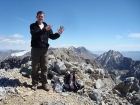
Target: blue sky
<point x="98" y="25"/>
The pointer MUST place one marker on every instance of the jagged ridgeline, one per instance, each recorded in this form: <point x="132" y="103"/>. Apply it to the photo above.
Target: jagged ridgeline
<point x="113" y="61"/>
<point x="92" y="72"/>
<point x="14" y="59"/>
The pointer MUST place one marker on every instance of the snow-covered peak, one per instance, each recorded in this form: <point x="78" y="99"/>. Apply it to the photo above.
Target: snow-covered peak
<point x="19" y="53"/>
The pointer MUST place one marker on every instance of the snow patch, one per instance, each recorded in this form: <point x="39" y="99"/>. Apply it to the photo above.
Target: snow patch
<point x="19" y="53"/>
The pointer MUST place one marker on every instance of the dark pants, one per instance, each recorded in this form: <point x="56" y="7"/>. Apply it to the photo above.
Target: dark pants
<point x="39" y="60"/>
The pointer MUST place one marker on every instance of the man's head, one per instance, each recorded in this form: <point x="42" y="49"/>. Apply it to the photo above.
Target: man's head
<point x="40" y="16"/>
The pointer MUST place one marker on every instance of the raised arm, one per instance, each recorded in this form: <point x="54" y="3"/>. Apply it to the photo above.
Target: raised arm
<point x="56" y="35"/>
<point x="53" y="36"/>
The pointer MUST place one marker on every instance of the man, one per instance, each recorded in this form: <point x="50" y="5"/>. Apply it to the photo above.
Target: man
<point x="40" y="33"/>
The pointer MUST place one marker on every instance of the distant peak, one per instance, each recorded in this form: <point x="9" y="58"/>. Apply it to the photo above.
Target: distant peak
<point x="111" y="51"/>
<point x="71" y="48"/>
<point x="81" y="47"/>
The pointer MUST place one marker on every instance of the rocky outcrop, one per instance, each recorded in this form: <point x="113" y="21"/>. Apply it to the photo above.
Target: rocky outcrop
<point x="130" y="89"/>
<point x="95" y="95"/>
<point x="8" y="82"/>
<point x="14" y="62"/>
<point x="118" y="66"/>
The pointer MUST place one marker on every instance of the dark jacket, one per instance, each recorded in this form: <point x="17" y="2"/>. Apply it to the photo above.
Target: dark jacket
<point x="40" y="37"/>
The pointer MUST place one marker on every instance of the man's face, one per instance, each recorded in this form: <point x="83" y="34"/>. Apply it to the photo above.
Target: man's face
<point x="40" y="18"/>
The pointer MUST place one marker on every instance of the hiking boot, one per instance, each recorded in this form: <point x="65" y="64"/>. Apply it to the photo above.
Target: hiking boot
<point x="46" y="87"/>
<point x="34" y="87"/>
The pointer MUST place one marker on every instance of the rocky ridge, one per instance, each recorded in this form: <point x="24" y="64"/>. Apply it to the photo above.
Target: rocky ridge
<point x="16" y="88"/>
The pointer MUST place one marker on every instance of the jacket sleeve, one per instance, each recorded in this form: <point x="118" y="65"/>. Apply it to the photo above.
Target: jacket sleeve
<point x="53" y="36"/>
<point x="35" y="31"/>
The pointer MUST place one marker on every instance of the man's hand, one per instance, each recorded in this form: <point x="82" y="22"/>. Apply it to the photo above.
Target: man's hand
<point x="61" y="29"/>
<point x="48" y="27"/>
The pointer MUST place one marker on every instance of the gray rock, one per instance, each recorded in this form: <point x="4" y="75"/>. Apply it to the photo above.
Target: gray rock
<point x="51" y="57"/>
<point x="129" y="85"/>
<point x="98" y="73"/>
<point x="17" y="91"/>
<point x="10" y="90"/>
<point x="130" y="79"/>
<point x="60" y="67"/>
<point x="74" y="68"/>
<point x="95" y="95"/>
<point x="2" y="92"/>
<point x="99" y="84"/>
<point x="68" y="64"/>
<point x="102" y="103"/>
<point x="88" y="68"/>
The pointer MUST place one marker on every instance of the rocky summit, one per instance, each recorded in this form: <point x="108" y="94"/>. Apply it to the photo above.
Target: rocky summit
<point x="99" y="86"/>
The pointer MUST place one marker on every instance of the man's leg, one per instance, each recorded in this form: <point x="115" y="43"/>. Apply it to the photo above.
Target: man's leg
<point x="35" y="56"/>
<point x="44" y="71"/>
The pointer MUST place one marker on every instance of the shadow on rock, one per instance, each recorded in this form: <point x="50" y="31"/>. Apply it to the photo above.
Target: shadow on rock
<point x="6" y="82"/>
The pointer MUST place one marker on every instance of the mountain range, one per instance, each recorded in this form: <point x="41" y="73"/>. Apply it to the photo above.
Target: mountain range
<point x="90" y="71"/>
<point x="113" y="62"/>
<point x="134" y="55"/>
<point x="11" y="59"/>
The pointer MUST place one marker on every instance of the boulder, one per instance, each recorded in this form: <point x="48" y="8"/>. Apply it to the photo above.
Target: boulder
<point x="75" y="63"/>
<point x="68" y="64"/>
<point x="60" y="67"/>
<point x="89" y="68"/>
<point x="95" y="95"/>
<point x="129" y="85"/>
<point x="76" y="69"/>
<point x="98" y="74"/>
<point x="99" y="84"/>
<point x="51" y="57"/>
